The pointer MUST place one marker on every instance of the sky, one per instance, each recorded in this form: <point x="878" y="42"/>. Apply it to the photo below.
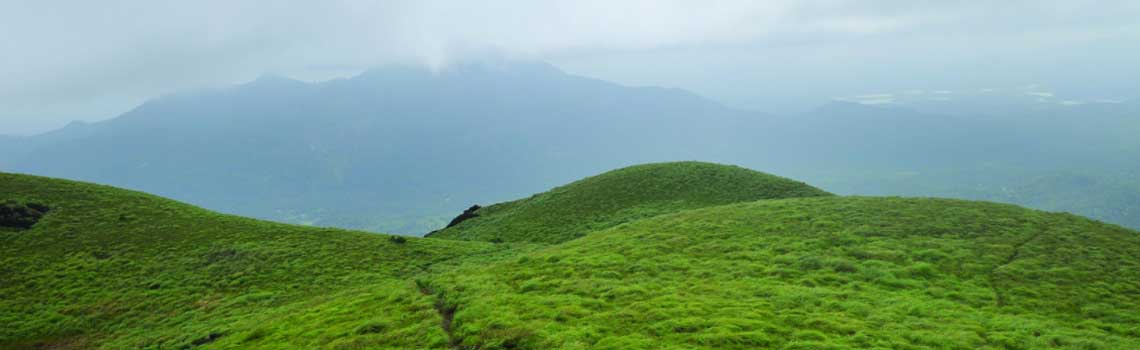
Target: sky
<point x="87" y="60"/>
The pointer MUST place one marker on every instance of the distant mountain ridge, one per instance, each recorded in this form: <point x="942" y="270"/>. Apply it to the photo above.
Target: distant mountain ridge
<point x="394" y="142"/>
<point x="402" y="149"/>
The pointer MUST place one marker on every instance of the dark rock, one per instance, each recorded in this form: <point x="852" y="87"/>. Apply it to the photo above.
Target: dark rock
<point x="467" y="214"/>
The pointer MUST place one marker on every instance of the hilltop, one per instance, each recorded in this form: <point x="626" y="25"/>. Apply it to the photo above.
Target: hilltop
<point x="619" y="196"/>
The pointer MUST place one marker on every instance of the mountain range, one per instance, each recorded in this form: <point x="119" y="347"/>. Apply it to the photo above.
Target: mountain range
<point x="403" y="149"/>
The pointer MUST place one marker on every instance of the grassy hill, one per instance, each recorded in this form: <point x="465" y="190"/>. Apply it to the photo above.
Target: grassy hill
<point x="116" y="269"/>
<point x="104" y="268"/>
<point x="816" y="273"/>
<point x="619" y="196"/>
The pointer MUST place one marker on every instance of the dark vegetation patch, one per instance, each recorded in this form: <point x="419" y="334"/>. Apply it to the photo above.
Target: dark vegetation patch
<point x="371" y="328"/>
<point x="21" y="215"/>
<point x="208" y="338"/>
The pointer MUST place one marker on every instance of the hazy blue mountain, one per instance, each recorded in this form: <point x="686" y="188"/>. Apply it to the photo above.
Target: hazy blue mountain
<point x="1080" y="159"/>
<point x="386" y="149"/>
<point x="11" y="147"/>
<point x="404" y="149"/>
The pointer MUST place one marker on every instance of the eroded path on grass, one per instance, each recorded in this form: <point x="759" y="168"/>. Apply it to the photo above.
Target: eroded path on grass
<point x="446" y="313"/>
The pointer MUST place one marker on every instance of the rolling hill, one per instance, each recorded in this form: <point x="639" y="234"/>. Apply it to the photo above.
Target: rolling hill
<point x="619" y="196"/>
<point x="115" y="269"/>
<point x="815" y="273"/>
<point x="699" y="256"/>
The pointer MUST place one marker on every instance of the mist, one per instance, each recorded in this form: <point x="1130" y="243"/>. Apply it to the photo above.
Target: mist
<point x="94" y="61"/>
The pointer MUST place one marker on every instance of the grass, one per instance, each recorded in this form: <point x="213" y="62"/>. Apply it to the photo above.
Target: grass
<point x="712" y="267"/>
<point x="621" y="196"/>
<point x="116" y="269"/>
<point x="816" y="273"/>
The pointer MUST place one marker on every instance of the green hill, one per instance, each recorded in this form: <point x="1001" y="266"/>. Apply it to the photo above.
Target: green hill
<point x="115" y="269"/>
<point x="816" y="273"/>
<point x="621" y="196"/>
<point x="93" y="267"/>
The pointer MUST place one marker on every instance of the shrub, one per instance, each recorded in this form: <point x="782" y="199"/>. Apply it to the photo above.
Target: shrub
<point x="397" y="239"/>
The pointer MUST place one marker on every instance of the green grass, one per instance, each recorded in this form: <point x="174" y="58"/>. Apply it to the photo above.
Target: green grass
<point x="107" y="268"/>
<point x="621" y="196"/>
<point x="816" y="273"/>
<point x="117" y="269"/>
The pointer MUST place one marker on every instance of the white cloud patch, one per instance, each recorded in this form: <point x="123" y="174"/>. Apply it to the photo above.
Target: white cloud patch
<point x="1108" y="100"/>
<point x="871" y="99"/>
<point x="1035" y="93"/>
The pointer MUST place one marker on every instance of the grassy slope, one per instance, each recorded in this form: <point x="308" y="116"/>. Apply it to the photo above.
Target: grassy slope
<point x="115" y="269"/>
<point x="109" y="268"/>
<point x="620" y="196"/>
<point x="816" y="273"/>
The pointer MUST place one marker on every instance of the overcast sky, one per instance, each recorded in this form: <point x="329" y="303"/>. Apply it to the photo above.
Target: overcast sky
<point x="91" y="60"/>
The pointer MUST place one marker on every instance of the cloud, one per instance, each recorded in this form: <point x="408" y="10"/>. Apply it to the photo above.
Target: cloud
<point x="1108" y="101"/>
<point x="871" y="99"/>
<point x="75" y="56"/>
<point x="207" y="35"/>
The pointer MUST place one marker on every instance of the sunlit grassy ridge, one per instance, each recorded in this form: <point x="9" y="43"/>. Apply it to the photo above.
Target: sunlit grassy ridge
<point x="117" y="269"/>
<point x="620" y="196"/>
<point x="816" y="273"/>
<point x="113" y="269"/>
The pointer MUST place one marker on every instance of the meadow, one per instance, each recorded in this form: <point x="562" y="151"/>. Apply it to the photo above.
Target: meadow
<point x="661" y="256"/>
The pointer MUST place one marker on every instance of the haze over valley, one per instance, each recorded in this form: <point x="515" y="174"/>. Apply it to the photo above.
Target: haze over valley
<point x="402" y="148"/>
